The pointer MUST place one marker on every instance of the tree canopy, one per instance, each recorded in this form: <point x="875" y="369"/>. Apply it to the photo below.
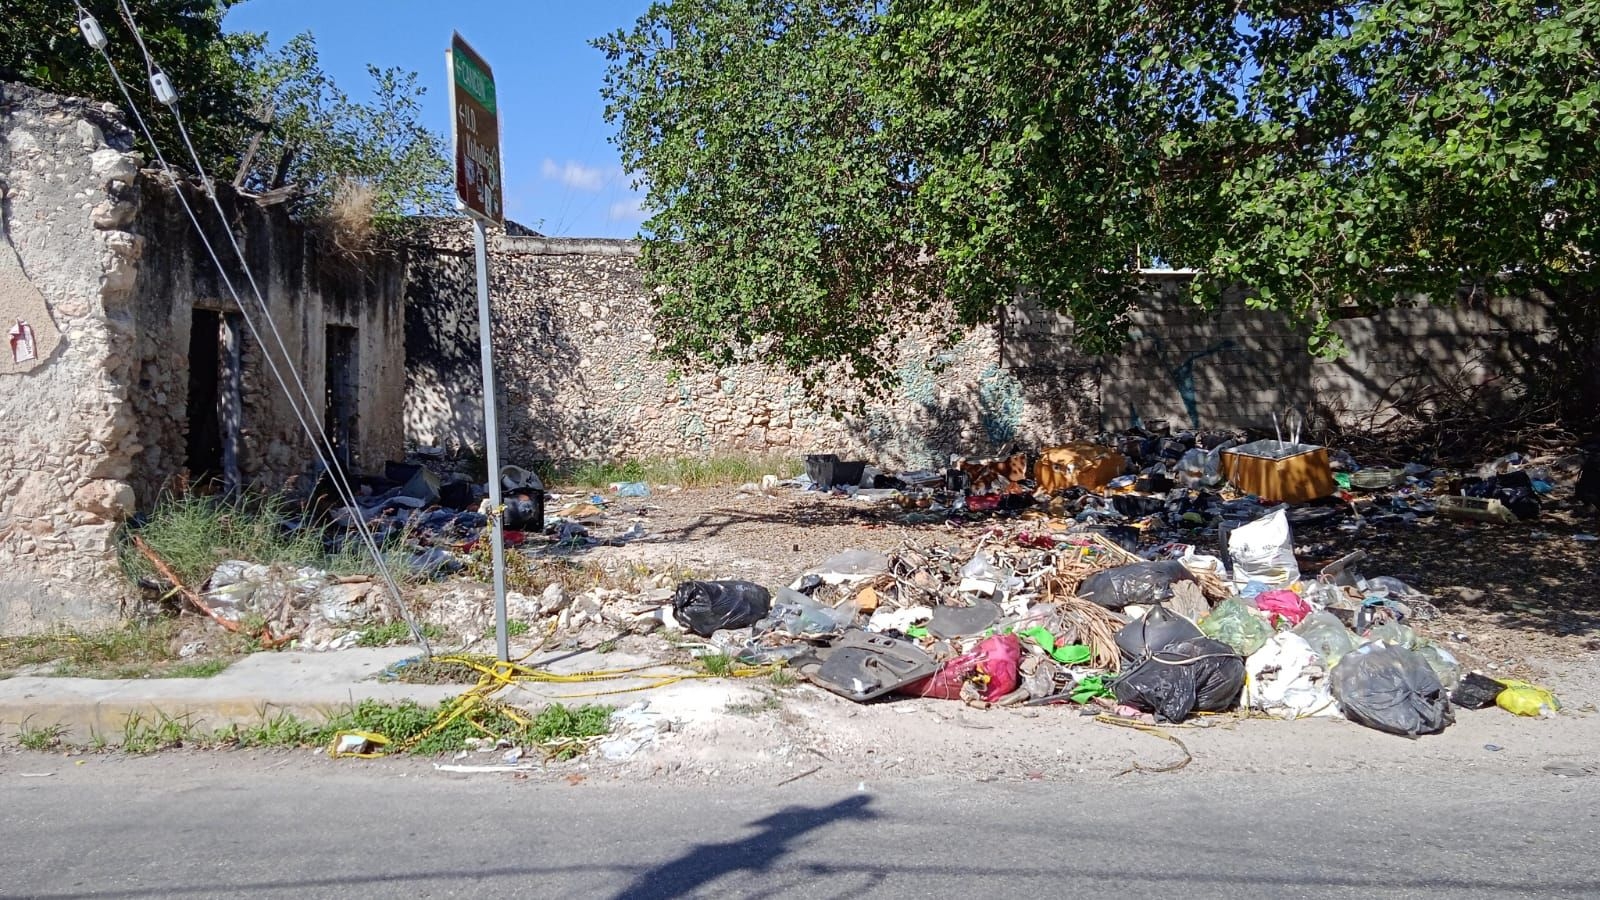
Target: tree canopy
<point x="237" y="92"/>
<point x="818" y="170"/>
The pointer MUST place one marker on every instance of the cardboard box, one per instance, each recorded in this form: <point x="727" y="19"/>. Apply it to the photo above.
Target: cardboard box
<point x="1079" y="464"/>
<point x="1279" y="471"/>
<point x="987" y="475"/>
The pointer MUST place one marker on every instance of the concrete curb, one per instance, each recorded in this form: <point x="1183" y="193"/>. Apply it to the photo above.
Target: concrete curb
<point x="308" y="685"/>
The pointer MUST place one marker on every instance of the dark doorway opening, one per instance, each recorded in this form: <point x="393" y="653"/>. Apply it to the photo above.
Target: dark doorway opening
<point x="343" y="386"/>
<point x="205" y="397"/>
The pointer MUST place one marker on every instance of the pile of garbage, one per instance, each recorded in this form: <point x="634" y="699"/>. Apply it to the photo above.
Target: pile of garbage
<point x="1039" y="613"/>
<point x="1142" y="486"/>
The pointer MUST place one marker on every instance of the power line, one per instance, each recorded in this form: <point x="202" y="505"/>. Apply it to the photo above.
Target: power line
<point x="162" y="90"/>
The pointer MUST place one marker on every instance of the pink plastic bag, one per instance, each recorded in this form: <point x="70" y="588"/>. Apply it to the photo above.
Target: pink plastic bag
<point x="995" y="660"/>
<point x="1284" y="603"/>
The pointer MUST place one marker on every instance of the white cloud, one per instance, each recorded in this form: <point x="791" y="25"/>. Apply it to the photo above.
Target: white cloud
<point x="630" y="210"/>
<point x="574" y="175"/>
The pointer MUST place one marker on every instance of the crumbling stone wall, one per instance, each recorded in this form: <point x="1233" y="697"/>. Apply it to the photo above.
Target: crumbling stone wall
<point x="307" y="289"/>
<point x="67" y="271"/>
<point x="104" y="270"/>
<point x="574" y="338"/>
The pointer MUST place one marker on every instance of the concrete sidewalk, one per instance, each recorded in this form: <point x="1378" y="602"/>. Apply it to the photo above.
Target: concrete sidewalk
<point x="316" y="685"/>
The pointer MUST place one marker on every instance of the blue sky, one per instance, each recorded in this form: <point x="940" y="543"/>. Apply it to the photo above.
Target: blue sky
<point x="562" y="175"/>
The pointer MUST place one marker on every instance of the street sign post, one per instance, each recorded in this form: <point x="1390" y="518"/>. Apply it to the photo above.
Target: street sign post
<point x="477" y="131"/>
<point x="476" y="125"/>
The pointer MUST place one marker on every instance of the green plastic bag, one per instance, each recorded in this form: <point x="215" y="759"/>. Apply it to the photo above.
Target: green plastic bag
<point x="1066" y="654"/>
<point x="1089" y="688"/>
<point x="1236" y="625"/>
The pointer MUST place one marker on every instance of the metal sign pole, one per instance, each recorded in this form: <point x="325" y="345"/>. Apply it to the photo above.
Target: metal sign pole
<point x="479" y="186"/>
<point x="491" y="441"/>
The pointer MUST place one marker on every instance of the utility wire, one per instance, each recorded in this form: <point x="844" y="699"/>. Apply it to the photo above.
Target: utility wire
<point x="341" y="485"/>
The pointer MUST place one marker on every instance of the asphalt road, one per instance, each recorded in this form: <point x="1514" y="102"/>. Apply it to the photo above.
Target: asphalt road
<point x="245" y="831"/>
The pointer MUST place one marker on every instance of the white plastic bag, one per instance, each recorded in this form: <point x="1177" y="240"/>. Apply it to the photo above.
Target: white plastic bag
<point x="1286" y="680"/>
<point x="1264" y="551"/>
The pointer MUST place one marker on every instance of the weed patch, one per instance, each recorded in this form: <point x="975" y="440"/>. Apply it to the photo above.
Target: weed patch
<point x="394" y="633"/>
<point x="689" y="472"/>
<point x="718" y="664"/>
<point x="47" y="737"/>
<point x="129" y="651"/>
<point x="203" y="669"/>
<point x="194" y="534"/>
<point x="147" y="734"/>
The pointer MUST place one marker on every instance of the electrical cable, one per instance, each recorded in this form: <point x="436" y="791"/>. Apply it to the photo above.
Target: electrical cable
<point x="96" y="39"/>
<point x="168" y="97"/>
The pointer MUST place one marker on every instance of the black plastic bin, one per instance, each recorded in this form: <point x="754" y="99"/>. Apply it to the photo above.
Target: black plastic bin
<point x="827" y="471"/>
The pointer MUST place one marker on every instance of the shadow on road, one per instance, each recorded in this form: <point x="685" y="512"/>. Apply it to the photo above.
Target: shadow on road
<point x="703" y="864"/>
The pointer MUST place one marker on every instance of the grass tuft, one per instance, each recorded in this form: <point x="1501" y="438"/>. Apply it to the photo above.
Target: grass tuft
<point x="688" y="472"/>
<point x="718" y="664"/>
<point x="194" y="534"/>
<point x="47" y="737"/>
<point x="396" y="632"/>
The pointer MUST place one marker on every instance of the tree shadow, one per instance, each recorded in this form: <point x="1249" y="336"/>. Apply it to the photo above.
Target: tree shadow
<point x="759" y="853"/>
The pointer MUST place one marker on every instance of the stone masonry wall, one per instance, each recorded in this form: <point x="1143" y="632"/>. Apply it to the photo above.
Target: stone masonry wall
<point x="574" y="337"/>
<point x="100" y="273"/>
<point x="577" y="380"/>
<point x="306" y="290"/>
<point x="1236" y="367"/>
<point x="67" y="272"/>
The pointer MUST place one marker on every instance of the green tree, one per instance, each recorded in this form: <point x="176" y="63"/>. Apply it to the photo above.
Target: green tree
<point x="817" y="170"/>
<point x="373" y="155"/>
<point x="40" y="45"/>
<point x="334" y="148"/>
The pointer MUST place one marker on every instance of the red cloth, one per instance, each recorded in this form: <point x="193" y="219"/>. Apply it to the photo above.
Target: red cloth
<point x="1284" y="603"/>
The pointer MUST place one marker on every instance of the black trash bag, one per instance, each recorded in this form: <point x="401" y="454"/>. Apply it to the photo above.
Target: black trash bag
<point x="1200" y="674"/>
<point x="1392" y="689"/>
<point x="1155" y="630"/>
<point x="705" y="607"/>
<point x="1476" y="691"/>
<point x="1140" y="583"/>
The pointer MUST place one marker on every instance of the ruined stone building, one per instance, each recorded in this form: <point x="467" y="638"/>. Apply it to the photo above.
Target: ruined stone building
<point x="129" y="366"/>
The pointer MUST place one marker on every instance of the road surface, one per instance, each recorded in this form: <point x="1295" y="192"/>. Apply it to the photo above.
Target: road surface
<point x="252" y="828"/>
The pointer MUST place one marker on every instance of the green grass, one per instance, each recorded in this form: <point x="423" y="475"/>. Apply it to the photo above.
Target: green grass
<point x="147" y="734"/>
<point x="559" y="730"/>
<point x="131" y="650"/>
<point x="47" y="737"/>
<point x="194" y="534"/>
<point x="718" y="664"/>
<point x="205" y="668"/>
<point x="783" y="677"/>
<point x="404" y="721"/>
<point x="517" y="627"/>
<point x="394" y="632"/>
<point x="689" y="472"/>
